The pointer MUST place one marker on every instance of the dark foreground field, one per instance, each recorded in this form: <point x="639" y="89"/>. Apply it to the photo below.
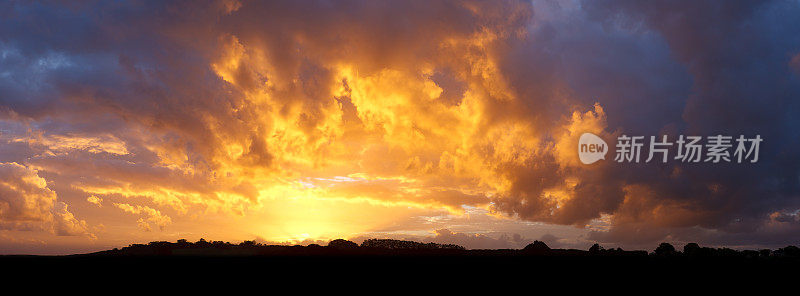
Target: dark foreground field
<point x="384" y="260"/>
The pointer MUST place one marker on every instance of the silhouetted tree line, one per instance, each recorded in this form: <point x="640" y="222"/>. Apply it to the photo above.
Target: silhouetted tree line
<point x="392" y="246"/>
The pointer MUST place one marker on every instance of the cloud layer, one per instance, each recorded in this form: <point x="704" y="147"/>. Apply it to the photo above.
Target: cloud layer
<point x="27" y="204"/>
<point x="171" y="111"/>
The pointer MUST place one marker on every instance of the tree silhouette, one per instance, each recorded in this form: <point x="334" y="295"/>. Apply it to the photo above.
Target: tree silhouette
<point x="596" y="249"/>
<point x="537" y="247"/>
<point x="342" y="244"/>
<point x="665" y="249"/>
<point x="247" y="243"/>
<point x="691" y="249"/>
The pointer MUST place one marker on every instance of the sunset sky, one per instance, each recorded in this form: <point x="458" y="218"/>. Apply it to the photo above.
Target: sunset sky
<point x="298" y="122"/>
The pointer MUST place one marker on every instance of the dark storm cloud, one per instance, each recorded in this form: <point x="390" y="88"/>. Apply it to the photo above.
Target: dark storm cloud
<point x="738" y="56"/>
<point x="692" y="68"/>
